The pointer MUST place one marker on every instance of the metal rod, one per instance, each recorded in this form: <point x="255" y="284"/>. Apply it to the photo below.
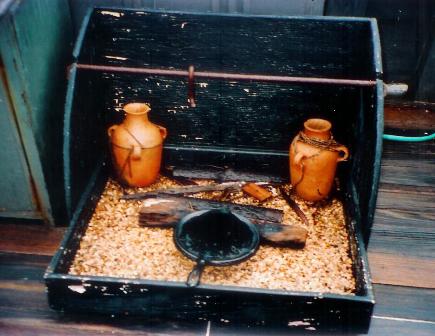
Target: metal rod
<point x="227" y="76"/>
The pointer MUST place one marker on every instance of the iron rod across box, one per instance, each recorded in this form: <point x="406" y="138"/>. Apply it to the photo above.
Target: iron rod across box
<point x="227" y="76"/>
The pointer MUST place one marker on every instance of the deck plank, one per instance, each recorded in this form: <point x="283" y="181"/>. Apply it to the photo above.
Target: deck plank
<point x="402" y="270"/>
<point x="410" y="117"/>
<point x="417" y="151"/>
<point x="405" y="302"/>
<point x="397" y="309"/>
<point x="28" y="238"/>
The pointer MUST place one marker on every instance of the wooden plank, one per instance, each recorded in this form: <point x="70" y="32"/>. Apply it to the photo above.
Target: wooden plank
<point x="410" y="117"/>
<point x="393" y="220"/>
<point x="387" y="326"/>
<point x="412" y="245"/>
<point x="407" y="172"/>
<point x="405" y="302"/>
<point x="43" y="52"/>
<point x="401" y="269"/>
<point x="224" y="174"/>
<point x="32" y="326"/>
<point x="420" y="152"/>
<point x="404" y="222"/>
<point x="167" y="212"/>
<point x="196" y="42"/>
<point x="411" y="198"/>
<point x="14" y="170"/>
<point x="30" y="239"/>
<point x="34" y="87"/>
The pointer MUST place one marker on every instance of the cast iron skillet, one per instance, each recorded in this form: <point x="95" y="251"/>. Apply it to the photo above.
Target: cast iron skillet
<point x="215" y="237"/>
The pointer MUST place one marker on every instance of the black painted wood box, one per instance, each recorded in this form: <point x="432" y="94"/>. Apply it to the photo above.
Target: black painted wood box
<point x="243" y="124"/>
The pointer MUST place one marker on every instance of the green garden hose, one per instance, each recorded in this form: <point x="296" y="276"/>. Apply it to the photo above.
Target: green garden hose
<point x="409" y="138"/>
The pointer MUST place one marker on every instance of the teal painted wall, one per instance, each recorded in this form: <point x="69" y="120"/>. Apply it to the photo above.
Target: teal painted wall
<point x="35" y="48"/>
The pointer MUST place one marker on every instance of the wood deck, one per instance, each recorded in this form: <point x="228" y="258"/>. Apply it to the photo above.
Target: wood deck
<point x="401" y="254"/>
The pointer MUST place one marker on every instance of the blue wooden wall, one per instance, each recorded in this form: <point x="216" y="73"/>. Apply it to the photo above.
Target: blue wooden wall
<point x="35" y="48"/>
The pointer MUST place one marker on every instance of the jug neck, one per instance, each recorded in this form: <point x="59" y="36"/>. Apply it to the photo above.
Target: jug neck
<point x="136" y="113"/>
<point x="318" y="128"/>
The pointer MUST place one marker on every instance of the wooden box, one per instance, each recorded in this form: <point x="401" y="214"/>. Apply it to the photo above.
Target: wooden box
<point x="244" y="125"/>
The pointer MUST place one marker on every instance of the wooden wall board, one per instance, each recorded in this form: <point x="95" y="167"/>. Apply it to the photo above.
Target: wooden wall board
<point x="34" y="57"/>
<point x="261" y="7"/>
<point x="14" y="169"/>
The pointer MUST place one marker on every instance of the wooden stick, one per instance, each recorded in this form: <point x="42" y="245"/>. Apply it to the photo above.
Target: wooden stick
<point x="225" y="174"/>
<point x="182" y="190"/>
<point x="166" y="212"/>
<point x="294" y="206"/>
<point x="185" y="181"/>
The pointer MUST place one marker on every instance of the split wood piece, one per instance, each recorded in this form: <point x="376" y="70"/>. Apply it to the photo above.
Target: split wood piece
<point x="256" y="191"/>
<point x="169" y="173"/>
<point x="294" y="206"/>
<point x="224" y="174"/>
<point x="165" y="206"/>
<point x="182" y="190"/>
<point x="166" y="212"/>
<point x="226" y="195"/>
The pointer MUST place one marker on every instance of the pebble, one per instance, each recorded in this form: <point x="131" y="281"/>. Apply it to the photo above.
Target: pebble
<point x="115" y="245"/>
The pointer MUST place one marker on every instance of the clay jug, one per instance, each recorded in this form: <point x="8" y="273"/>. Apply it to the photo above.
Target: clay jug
<point x="136" y="146"/>
<point x="313" y="160"/>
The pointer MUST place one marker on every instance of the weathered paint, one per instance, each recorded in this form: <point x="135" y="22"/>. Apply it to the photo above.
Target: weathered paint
<point x="34" y="57"/>
<point x="242" y="125"/>
<point x="14" y="169"/>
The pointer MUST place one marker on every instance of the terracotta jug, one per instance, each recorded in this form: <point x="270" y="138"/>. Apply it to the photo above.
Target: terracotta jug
<point x="313" y="160"/>
<point x="136" y="146"/>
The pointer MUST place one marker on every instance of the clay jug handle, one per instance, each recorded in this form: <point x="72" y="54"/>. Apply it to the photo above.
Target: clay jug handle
<point x="298" y="158"/>
<point x="135" y="155"/>
<point x="163" y="132"/>
<point x="343" y="153"/>
<point x="110" y="130"/>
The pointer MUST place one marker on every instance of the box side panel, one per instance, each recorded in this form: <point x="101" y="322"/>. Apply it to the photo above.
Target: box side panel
<point x="85" y="137"/>
<point x="85" y="33"/>
<point x="227" y="43"/>
<point x="376" y="49"/>
<point x="365" y="165"/>
<point x="240" y="115"/>
<point x="64" y="257"/>
<point x="377" y="126"/>
<point x="220" y="306"/>
<point x="357" y="251"/>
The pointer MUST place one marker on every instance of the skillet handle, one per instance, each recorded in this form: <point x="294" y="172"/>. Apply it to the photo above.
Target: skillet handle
<point x="195" y="276"/>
